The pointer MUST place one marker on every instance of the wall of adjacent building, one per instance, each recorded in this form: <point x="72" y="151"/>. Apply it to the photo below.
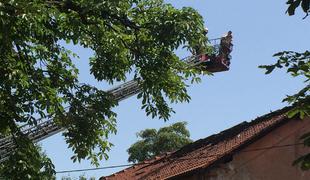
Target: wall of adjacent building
<point x="256" y="162"/>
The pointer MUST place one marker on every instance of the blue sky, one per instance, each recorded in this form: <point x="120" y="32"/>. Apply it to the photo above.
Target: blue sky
<point x="260" y="29"/>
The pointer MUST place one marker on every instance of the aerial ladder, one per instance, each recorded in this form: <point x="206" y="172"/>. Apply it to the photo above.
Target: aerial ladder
<point x="219" y="61"/>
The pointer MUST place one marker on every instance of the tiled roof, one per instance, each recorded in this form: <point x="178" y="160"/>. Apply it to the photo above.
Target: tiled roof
<point x="204" y="152"/>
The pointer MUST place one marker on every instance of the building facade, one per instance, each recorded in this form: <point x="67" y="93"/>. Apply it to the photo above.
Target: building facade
<point x="262" y="149"/>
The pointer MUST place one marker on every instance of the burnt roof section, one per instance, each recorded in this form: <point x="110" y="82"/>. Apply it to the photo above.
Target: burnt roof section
<point x="228" y="133"/>
<point x="204" y="152"/>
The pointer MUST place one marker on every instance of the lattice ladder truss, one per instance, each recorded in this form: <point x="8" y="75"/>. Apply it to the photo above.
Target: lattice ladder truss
<point x="47" y="128"/>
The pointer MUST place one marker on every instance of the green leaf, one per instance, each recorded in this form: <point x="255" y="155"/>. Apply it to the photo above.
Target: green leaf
<point x="305" y="4"/>
<point x="292" y="7"/>
<point x="136" y="38"/>
<point x="153" y="142"/>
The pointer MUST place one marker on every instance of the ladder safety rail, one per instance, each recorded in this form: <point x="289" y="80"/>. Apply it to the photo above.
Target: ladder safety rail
<point x="47" y="127"/>
<point x="125" y="90"/>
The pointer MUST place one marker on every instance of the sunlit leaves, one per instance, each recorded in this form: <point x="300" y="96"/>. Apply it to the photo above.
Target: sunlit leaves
<point x="89" y="122"/>
<point x="39" y="78"/>
<point x="155" y="142"/>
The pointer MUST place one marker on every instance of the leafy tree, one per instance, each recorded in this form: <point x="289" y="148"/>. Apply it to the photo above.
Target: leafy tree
<point x="28" y="162"/>
<point x="39" y="78"/>
<point x="294" y="4"/>
<point x="81" y="177"/>
<point x="155" y="142"/>
<point x="297" y="65"/>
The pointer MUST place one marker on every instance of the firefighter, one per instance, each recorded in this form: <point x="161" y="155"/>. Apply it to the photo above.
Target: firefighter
<point x="226" y="47"/>
<point x="226" y="40"/>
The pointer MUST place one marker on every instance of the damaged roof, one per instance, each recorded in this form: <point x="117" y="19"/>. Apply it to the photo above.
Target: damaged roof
<point x="204" y="153"/>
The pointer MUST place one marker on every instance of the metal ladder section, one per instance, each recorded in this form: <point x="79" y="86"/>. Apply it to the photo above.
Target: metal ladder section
<point x="47" y="128"/>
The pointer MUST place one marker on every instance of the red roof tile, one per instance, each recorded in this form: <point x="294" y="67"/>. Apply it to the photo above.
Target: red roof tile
<point x="204" y="152"/>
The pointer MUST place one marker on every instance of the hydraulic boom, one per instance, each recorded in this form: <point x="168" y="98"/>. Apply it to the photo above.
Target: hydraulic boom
<point x="215" y="63"/>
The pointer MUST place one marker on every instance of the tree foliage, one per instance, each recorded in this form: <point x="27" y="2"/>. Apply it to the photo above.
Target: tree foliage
<point x="297" y="65"/>
<point x="27" y="163"/>
<point x="155" y="142"/>
<point x="39" y="78"/>
<point x="81" y="177"/>
<point x="294" y="4"/>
